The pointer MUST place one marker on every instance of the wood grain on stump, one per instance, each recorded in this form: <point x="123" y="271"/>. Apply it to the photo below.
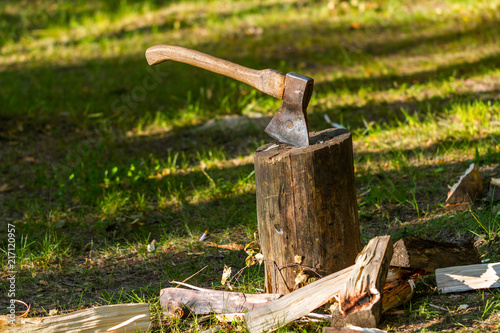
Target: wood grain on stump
<point x="306" y="208"/>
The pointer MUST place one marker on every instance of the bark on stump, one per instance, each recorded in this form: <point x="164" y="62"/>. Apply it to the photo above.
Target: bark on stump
<point x="306" y="209"/>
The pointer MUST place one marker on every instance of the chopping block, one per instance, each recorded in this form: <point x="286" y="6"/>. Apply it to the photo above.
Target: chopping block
<point x="306" y="209"/>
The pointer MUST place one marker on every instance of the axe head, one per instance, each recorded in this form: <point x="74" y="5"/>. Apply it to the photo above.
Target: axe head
<point x="289" y="125"/>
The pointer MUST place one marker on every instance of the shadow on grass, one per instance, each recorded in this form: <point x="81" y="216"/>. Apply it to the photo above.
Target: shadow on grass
<point x="461" y="70"/>
<point x="26" y="17"/>
<point x="91" y="279"/>
<point x="101" y="88"/>
<point x="420" y="315"/>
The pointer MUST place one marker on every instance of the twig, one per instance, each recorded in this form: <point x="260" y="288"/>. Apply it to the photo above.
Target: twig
<point x="319" y="316"/>
<point x="438" y="307"/>
<point x="26" y="305"/>
<point x="188" y="285"/>
<point x="302" y="266"/>
<point x="238" y="274"/>
<point x="191" y="276"/>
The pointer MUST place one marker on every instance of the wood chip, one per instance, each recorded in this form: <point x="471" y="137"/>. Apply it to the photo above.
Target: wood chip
<point x="466" y="190"/>
<point x="360" y="297"/>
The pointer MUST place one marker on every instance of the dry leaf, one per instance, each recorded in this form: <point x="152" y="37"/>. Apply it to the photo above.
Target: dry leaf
<point x="259" y="257"/>
<point x="252" y="248"/>
<point x="226" y="274"/>
<point x="230" y="317"/>
<point x="301" y="278"/>
<point x="249" y="261"/>
<point x="152" y="246"/>
<point x="297" y="259"/>
<point x="4" y="188"/>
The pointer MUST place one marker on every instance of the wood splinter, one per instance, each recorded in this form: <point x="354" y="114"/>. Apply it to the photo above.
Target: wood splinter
<point x="359" y="299"/>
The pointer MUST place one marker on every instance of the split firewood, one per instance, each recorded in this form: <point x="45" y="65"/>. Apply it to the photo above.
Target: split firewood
<point x="292" y="306"/>
<point x="178" y="302"/>
<point x="494" y="190"/>
<point x="427" y="255"/>
<point x="306" y="299"/>
<point x="465" y="278"/>
<point x="466" y="190"/>
<point x="399" y="288"/>
<point x="110" y="318"/>
<point x="360" y="297"/>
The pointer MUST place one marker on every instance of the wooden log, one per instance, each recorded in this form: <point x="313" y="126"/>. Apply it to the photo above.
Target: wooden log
<point x="427" y="255"/>
<point x="494" y="190"/>
<point x="360" y="297"/>
<point x="286" y="309"/>
<point x="175" y="301"/>
<point x="109" y="318"/>
<point x="306" y="208"/>
<point x="466" y="190"/>
<point x="465" y="278"/>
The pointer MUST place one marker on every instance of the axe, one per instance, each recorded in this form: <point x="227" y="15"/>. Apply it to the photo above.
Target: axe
<point x="289" y="125"/>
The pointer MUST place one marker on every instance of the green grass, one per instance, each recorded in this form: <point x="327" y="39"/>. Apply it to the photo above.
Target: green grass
<point x="101" y="154"/>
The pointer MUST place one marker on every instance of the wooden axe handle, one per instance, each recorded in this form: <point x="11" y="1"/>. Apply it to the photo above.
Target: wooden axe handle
<point x="268" y="81"/>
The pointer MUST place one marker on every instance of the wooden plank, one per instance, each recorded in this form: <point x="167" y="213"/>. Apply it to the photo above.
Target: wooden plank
<point x="176" y="301"/>
<point x="465" y="278"/>
<point x="282" y="311"/>
<point x="360" y="297"/>
<point x="110" y="318"/>
<point x="427" y="255"/>
<point x="307" y="208"/>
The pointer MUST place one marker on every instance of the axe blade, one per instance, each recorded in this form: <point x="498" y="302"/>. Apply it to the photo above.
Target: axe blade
<point x="289" y="125"/>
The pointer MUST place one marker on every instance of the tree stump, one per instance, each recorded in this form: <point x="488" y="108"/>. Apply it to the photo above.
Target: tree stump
<point x="306" y="209"/>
